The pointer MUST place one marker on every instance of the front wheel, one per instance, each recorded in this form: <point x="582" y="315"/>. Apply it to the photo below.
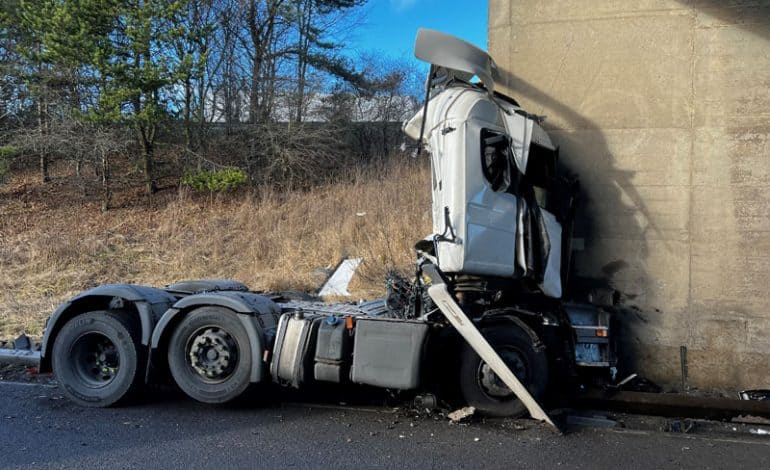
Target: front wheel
<point x="96" y="358"/>
<point x="484" y="390"/>
<point x="209" y="355"/>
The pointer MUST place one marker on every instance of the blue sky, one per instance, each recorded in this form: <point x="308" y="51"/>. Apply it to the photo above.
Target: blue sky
<point x="390" y="26"/>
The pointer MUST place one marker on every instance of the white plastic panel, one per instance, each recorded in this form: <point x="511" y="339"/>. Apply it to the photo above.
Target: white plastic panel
<point x="444" y="50"/>
<point x="519" y="129"/>
<point x="551" y="285"/>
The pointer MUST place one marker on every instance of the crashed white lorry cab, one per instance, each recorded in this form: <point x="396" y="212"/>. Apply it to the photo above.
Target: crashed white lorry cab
<point x="481" y="321"/>
<point x="490" y="162"/>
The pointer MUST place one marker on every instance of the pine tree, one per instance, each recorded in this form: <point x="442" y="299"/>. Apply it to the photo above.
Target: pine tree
<point x="312" y="18"/>
<point x="125" y="45"/>
<point x="24" y="22"/>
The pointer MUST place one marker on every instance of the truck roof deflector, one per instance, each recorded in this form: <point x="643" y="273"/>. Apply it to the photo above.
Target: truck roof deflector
<point x="443" y="50"/>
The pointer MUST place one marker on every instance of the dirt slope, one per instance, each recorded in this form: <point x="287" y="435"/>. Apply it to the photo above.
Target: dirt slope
<point x="55" y="241"/>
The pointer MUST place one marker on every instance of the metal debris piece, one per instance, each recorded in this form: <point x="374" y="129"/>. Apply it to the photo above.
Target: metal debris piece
<point x="338" y="282"/>
<point x="461" y="414"/>
<point x="426" y="402"/>
<point x="760" y="432"/>
<point x="641" y="384"/>
<point x="627" y="379"/>
<point x="22" y="342"/>
<point x="619" y="385"/>
<point x="759" y="395"/>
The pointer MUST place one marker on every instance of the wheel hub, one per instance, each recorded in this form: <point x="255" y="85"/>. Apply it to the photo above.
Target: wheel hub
<point x="212" y="353"/>
<point x="492" y="384"/>
<point x="96" y="359"/>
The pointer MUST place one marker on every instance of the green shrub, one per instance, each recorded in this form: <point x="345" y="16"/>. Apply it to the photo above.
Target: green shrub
<point x="215" y="181"/>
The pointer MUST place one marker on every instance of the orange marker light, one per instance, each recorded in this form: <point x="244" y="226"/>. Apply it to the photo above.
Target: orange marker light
<point x="349" y="323"/>
<point x="602" y="333"/>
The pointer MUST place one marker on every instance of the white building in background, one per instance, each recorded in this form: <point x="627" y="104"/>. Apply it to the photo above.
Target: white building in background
<point x="320" y="107"/>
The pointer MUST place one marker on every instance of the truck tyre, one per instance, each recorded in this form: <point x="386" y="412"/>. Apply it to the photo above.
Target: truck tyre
<point x="96" y="358"/>
<point x="209" y="355"/>
<point x="483" y="389"/>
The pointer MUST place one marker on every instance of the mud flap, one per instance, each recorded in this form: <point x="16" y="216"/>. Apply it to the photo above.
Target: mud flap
<point x="440" y="295"/>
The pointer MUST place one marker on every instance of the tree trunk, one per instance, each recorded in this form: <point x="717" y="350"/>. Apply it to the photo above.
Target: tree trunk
<point x="106" y="183"/>
<point x="254" y="91"/>
<point x="44" y="176"/>
<point x="261" y="32"/>
<point x="41" y="122"/>
<point x="149" y="176"/>
<point x="303" y="43"/>
<point x="188" y="132"/>
<point x="256" y="62"/>
<point x="147" y="161"/>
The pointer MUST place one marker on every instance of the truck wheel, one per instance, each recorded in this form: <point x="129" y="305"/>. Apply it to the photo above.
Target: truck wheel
<point x="210" y="355"/>
<point x="484" y="390"/>
<point x="96" y="358"/>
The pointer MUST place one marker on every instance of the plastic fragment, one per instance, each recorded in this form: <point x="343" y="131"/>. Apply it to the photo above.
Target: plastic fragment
<point x="461" y="414"/>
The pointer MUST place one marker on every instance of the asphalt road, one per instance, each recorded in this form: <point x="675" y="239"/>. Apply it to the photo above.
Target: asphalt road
<point x="41" y="429"/>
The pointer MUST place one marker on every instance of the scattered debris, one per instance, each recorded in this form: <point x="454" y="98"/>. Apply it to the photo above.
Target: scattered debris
<point x="24" y="374"/>
<point x="759" y="395"/>
<point x="638" y="383"/>
<point x="684" y="426"/>
<point x="338" y="282"/>
<point x="750" y="419"/>
<point x="628" y="379"/>
<point x="426" y="402"/>
<point x="760" y="432"/>
<point x="22" y="342"/>
<point x="461" y="414"/>
<point x="619" y="385"/>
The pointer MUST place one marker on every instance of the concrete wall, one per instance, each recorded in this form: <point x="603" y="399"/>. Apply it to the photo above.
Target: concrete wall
<point x="663" y="108"/>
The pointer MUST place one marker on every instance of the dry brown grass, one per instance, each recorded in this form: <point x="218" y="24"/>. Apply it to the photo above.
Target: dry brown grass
<point x="57" y="245"/>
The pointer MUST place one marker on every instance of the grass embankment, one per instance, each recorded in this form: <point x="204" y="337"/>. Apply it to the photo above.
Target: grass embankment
<point x="56" y="242"/>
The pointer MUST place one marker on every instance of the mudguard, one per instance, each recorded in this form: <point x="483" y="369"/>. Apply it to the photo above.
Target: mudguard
<point x="258" y="314"/>
<point x="150" y="303"/>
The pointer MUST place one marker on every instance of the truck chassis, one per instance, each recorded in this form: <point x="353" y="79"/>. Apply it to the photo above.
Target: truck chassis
<point x="483" y="312"/>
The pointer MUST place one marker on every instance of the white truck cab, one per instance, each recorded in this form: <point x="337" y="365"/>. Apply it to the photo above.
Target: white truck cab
<point x="492" y="168"/>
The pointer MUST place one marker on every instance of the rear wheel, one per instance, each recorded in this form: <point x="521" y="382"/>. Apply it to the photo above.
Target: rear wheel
<point x="96" y="358"/>
<point x="484" y="390"/>
<point x="209" y="355"/>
